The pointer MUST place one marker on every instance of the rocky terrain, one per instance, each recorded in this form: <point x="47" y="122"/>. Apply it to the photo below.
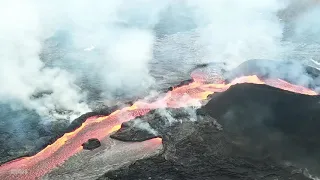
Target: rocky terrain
<point x="247" y="132"/>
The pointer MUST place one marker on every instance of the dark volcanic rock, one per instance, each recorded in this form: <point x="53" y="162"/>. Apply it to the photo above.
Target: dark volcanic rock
<point x="257" y="111"/>
<point x="156" y="123"/>
<point x="91" y="144"/>
<point x="267" y="133"/>
<point x="200" y="151"/>
<point x="284" y="123"/>
<point x="21" y="132"/>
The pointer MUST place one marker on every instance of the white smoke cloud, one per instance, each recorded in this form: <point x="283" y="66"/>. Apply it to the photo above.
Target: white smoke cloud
<point x="22" y="73"/>
<point x="230" y="31"/>
<point x="121" y="32"/>
<point x="105" y="48"/>
<point x="306" y="32"/>
<point x="118" y="61"/>
<point x="234" y="31"/>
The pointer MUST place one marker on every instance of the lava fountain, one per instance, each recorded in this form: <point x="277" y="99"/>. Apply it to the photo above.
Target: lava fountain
<point x="191" y="94"/>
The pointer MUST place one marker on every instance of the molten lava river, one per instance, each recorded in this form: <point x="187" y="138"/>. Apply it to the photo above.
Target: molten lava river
<point x="56" y="154"/>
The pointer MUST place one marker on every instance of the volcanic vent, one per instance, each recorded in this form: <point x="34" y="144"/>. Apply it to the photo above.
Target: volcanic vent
<point x="254" y="127"/>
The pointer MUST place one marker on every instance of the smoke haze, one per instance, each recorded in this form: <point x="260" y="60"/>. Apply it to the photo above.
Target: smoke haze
<point x="58" y="57"/>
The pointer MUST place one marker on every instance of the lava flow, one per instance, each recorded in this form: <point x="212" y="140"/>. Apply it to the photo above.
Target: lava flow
<point x="70" y="143"/>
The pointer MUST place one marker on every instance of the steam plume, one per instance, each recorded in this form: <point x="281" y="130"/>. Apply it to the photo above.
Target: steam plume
<point x="59" y="56"/>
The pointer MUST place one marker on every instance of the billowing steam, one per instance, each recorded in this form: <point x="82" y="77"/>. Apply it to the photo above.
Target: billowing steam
<point x="57" y="57"/>
<point x="54" y="54"/>
<point x="233" y="31"/>
<point x="24" y="78"/>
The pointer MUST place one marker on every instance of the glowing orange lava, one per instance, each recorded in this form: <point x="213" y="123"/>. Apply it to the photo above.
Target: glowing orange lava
<point x="70" y="143"/>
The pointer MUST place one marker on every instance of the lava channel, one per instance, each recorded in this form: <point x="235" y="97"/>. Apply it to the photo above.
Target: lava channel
<point x="54" y="155"/>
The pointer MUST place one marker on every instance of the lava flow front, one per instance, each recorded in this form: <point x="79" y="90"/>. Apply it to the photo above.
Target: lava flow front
<point x="188" y="95"/>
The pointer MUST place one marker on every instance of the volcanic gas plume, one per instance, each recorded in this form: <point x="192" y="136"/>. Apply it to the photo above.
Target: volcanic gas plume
<point x="69" y="144"/>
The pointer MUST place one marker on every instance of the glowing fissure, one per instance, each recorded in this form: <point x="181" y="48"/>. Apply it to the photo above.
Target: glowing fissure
<point x="70" y="143"/>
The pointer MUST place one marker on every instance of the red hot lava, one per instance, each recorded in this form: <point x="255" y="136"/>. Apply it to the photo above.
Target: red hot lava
<point x="69" y="144"/>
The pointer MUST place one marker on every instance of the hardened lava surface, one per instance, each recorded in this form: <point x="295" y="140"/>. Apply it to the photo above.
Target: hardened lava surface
<point x="260" y="137"/>
<point x="250" y="131"/>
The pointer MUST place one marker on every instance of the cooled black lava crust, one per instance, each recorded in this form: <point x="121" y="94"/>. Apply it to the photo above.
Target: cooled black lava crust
<point x="247" y="132"/>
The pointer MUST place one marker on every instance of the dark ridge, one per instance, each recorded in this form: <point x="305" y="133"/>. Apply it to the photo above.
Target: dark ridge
<point x="159" y="168"/>
<point x="201" y="151"/>
<point x="261" y="111"/>
<point x="249" y="132"/>
<point x="281" y="107"/>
